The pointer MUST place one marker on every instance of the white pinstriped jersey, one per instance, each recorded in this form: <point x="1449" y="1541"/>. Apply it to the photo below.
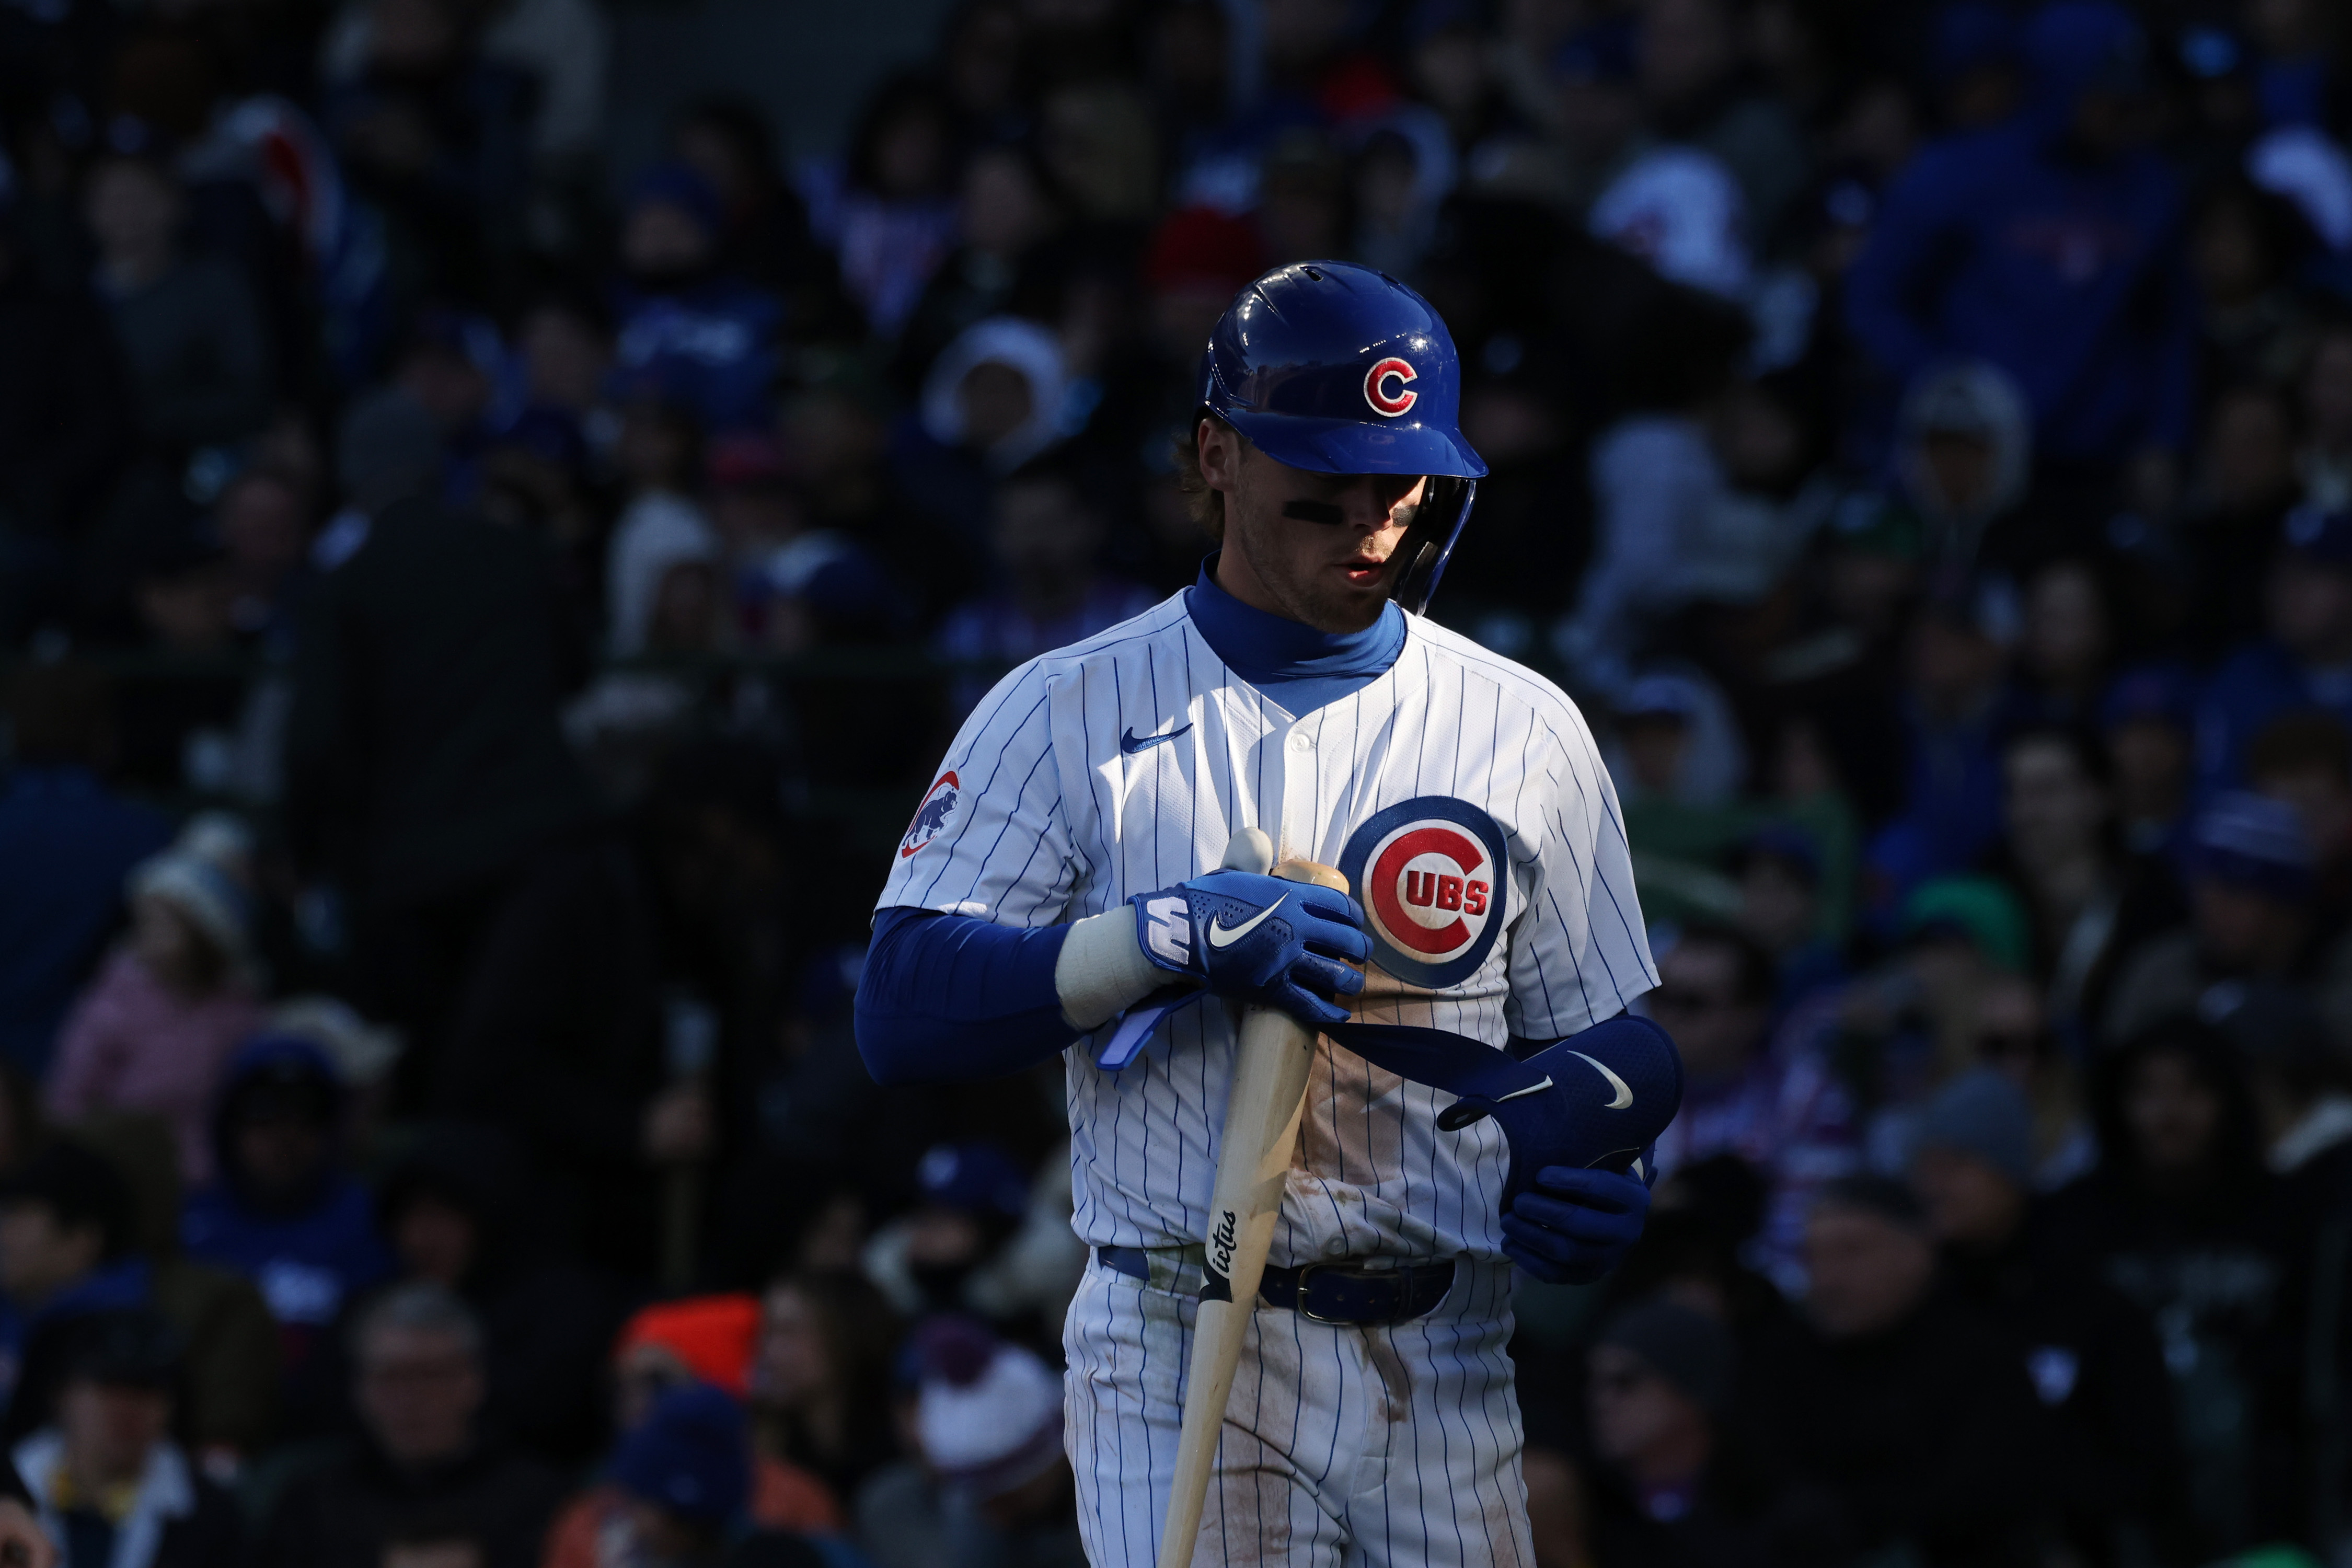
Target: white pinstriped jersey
<point x="1461" y="793"/>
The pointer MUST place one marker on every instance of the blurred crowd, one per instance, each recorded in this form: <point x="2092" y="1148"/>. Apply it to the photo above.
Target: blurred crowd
<point x="474" y="615"/>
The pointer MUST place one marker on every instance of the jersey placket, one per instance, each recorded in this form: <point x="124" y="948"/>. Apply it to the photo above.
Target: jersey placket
<point x="1301" y="836"/>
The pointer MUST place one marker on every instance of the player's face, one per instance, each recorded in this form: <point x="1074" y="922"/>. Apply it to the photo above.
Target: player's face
<point x="1320" y="549"/>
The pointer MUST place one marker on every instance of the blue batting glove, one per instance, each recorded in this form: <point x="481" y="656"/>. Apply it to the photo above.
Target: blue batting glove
<point x="1258" y="939"/>
<point x="1575" y="1225"/>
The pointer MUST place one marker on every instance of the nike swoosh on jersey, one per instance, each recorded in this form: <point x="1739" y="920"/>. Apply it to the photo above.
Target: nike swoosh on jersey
<point x="1531" y="1088"/>
<point x="1625" y="1091"/>
<point x="1132" y="742"/>
<point x="1221" y="936"/>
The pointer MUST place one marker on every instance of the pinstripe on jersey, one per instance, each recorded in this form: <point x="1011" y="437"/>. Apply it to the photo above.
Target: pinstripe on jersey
<point x="1065" y="806"/>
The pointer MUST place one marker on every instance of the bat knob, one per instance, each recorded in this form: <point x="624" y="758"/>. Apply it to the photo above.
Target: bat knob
<point x="1250" y="850"/>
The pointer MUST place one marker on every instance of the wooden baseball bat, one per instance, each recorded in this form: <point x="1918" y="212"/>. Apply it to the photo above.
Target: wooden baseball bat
<point x="1269" y="1089"/>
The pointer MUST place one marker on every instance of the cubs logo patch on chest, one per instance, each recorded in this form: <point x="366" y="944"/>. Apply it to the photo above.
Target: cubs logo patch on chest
<point x="1430" y="873"/>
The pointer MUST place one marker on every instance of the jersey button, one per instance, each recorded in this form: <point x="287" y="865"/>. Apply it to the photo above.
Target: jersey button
<point x="1336" y="1248"/>
<point x="1301" y="744"/>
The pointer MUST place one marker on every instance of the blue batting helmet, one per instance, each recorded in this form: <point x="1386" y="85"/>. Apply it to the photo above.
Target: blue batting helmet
<point x="1340" y="370"/>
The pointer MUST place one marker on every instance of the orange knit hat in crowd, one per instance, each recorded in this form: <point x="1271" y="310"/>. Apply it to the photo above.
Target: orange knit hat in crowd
<point x="713" y="1335"/>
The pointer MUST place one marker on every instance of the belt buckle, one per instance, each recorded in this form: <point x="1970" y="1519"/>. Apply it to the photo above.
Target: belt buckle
<point x="1305" y="1273"/>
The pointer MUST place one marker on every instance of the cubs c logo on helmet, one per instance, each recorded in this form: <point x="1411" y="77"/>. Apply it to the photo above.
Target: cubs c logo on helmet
<point x="1376" y="387"/>
<point x="1434" y="876"/>
<point x="931" y="816"/>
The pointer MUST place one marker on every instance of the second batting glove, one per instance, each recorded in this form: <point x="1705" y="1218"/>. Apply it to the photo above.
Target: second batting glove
<point x="1258" y="939"/>
<point x="1575" y="1225"/>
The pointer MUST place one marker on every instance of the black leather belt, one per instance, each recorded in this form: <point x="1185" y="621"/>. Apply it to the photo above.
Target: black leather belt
<point x="1327" y="1292"/>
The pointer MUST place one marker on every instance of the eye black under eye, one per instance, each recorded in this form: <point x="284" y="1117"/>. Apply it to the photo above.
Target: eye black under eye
<point x="1313" y="511"/>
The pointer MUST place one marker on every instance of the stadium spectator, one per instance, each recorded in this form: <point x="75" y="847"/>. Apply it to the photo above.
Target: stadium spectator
<point x="885" y="211"/>
<point x="113" y="1489"/>
<point x="284" y="1212"/>
<point x="436" y="135"/>
<point x="66" y="1253"/>
<point x="1780" y="872"/>
<point x="1010" y="211"/>
<point x="689" y="331"/>
<point x="2182" y="1219"/>
<point x="764" y="226"/>
<point x="1964" y="455"/>
<point x="231" y="1406"/>
<point x="188" y="328"/>
<point x="1951" y="716"/>
<point x="2073" y="283"/>
<point x="660" y="531"/>
<point x="465" y="1211"/>
<point x="264" y="522"/>
<point x="684" y="1480"/>
<point x="72" y="843"/>
<point x="417" y="1385"/>
<point x="1047" y="536"/>
<point x="428" y="770"/>
<point x="990" y="1482"/>
<point x="2065" y="644"/>
<point x="1671" y="1479"/>
<point x="155" y="1031"/>
<point x="2305" y="760"/>
<point x="2307" y="619"/>
<point x="819" y="1392"/>
<point x="2089" y="907"/>
<point x="1689" y="60"/>
<point x="1783" y="1111"/>
<point x="706" y="1340"/>
<point x="1900" y="1405"/>
<point x="2252" y="892"/>
<point x="2146" y="724"/>
<point x="952" y="1254"/>
<point x="565" y="342"/>
<point x="2116" y="1462"/>
<point x="2230" y="521"/>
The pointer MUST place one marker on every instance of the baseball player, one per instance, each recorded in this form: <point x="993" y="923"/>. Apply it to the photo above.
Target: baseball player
<point x="1059" y="891"/>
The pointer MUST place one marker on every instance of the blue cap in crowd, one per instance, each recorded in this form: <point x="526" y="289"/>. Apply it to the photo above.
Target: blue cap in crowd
<point x="691" y="1456"/>
<point x="2320" y="534"/>
<point x="974" y="1178"/>
<point x="1664" y="696"/>
<point x="2248" y="840"/>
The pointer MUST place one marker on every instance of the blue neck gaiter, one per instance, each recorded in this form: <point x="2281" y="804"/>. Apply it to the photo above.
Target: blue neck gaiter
<point x="1301" y="668"/>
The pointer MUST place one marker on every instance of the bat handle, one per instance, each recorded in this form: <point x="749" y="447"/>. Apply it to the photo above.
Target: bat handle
<point x="1261" y="1133"/>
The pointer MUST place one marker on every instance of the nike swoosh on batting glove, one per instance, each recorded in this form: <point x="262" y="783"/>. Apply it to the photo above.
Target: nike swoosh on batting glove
<point x="1258" y="939"/>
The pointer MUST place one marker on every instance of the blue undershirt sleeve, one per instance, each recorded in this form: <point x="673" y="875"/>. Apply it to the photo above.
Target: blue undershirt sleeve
<point x="950" y="997"/>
